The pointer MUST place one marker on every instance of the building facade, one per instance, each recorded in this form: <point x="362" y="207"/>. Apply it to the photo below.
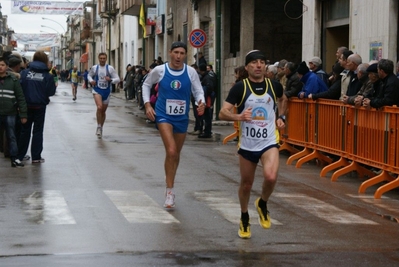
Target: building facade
<point x="291" y="30"/>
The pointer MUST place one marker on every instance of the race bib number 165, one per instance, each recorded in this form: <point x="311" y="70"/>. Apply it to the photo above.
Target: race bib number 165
<point x="175" y="107"/>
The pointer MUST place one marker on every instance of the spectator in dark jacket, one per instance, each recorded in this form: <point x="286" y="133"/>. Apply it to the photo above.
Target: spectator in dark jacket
<point x="334" y="91"/>
<point x="38" y="85"/>
<point x="12" y="103"/>
<point x="312" y="84"/>
<point x="374" y="79"/>
<point x="200" y="59"/>
<point x="365" y="89"/>
<point x="388" y="94"/>
<point x="208" y="83"/>
<point x="293" y="85"/>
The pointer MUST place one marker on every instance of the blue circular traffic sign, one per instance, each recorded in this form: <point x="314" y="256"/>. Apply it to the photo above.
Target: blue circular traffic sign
<point x="197" y="38"/>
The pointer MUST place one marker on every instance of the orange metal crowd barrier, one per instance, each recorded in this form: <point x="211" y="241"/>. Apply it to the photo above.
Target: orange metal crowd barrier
<point x="236" y="132"/>
<point x="358" y="138"/>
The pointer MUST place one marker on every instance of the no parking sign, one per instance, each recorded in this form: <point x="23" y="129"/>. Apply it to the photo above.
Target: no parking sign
<point x="197" y="38"/>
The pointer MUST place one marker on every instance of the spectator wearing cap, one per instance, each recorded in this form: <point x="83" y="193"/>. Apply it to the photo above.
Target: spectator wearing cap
<point x="388" y="93"/>
<point x="366" y="89"/>
<point x="315" y="65"/>
<point x="312" y="84"/>
<point x="334" y="91"/>
<point x="374" y="79"/>
<point x="200" y="60"/>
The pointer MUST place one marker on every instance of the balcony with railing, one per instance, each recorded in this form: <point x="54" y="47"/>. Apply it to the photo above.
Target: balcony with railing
<point x="132" y="7"/>
<point x="108" y="9"/>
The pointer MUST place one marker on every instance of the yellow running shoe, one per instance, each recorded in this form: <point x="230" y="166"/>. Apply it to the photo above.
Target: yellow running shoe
<point x="245" y="230"/>
<point x="264" y="218"/>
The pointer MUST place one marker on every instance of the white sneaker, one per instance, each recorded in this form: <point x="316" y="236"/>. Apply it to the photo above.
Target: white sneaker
<point x="170" y="201"/>
<point x="99" y="132"/>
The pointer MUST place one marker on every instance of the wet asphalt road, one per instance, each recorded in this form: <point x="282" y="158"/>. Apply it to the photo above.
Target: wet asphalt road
<point x="99" y="202"/>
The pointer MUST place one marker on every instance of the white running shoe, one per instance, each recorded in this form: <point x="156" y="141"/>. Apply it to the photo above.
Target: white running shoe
<point x="99" y="132"/>
<point x="170" y="201"/>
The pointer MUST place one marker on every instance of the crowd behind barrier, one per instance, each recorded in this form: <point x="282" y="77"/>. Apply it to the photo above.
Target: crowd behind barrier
<point x="345" y="138"/>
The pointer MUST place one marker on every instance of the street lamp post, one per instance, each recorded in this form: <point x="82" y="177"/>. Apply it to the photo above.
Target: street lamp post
<point x="63" y="28"/>
<point x="44" y="26"/>
<point x="52" y="47"/>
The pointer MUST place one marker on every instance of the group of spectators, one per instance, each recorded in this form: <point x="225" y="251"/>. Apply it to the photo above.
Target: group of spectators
<point x="372" y="85"/>
<point x="25" y="90"/>
<point x="134" y="79"/>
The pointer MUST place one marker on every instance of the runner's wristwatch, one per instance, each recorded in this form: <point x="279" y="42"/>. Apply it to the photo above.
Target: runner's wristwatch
<point x="282" y="117"/>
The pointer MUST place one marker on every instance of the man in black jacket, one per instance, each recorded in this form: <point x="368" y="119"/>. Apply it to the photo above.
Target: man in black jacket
<point x="388" y="95"/>
<point x="208" y="82"/>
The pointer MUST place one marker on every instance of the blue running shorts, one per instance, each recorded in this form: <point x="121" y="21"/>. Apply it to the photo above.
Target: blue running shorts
<point x="178" y="126"/>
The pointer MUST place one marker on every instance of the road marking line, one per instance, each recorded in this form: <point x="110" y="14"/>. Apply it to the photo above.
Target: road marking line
<point x="228" y="207"/>
<point x="323" y="210"/>
<point x="48" y="206"/>
<point x="138" y="207"/>
<point x="383" y="203"/>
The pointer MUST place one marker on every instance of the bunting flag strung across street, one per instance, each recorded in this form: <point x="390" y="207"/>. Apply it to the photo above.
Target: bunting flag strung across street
<point x="47" y="8"/>
<point x="142" y="20"/>
<point x="34" y="41"/>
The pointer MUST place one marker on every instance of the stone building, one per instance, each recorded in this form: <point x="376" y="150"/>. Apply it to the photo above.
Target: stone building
<point x="286" y="29"/>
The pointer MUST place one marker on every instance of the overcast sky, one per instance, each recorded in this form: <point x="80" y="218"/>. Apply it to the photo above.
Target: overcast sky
<point x="32" y="23"/>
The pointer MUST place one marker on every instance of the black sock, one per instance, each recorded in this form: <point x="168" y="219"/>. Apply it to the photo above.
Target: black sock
<point x="262" y="203"/>
<point x="245" y="216"/>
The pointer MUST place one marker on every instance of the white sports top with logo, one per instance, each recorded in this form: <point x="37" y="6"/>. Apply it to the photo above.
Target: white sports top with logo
<point x="260" y="132"/>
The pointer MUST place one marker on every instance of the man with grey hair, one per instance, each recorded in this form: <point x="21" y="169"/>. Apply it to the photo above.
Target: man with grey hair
<point x="271" y="72"/>
<point x="352" y="62"/>
<point x="367" y="85"/>
<point x="338" y="54"/>
<point x="280" y="72"/>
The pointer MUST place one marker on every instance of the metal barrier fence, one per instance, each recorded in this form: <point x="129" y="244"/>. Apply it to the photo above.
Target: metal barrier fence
<point x="359" y="138"/>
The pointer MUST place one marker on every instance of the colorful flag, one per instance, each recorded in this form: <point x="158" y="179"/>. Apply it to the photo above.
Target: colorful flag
<point x="142" y="20"/>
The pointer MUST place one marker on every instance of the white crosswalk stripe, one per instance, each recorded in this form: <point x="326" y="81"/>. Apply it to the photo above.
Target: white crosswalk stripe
<point x="138" y="207"/>
<point x="385" y="203"/>
<point x="227" y="206"/>
<point x="323" y="210"/>
<point x="48" y="206"/>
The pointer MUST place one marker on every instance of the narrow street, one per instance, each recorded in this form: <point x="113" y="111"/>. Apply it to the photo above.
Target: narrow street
<point x="98" y="202"/>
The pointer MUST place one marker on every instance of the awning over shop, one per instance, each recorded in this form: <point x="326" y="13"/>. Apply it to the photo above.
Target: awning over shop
<point x="84" y="58"/>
